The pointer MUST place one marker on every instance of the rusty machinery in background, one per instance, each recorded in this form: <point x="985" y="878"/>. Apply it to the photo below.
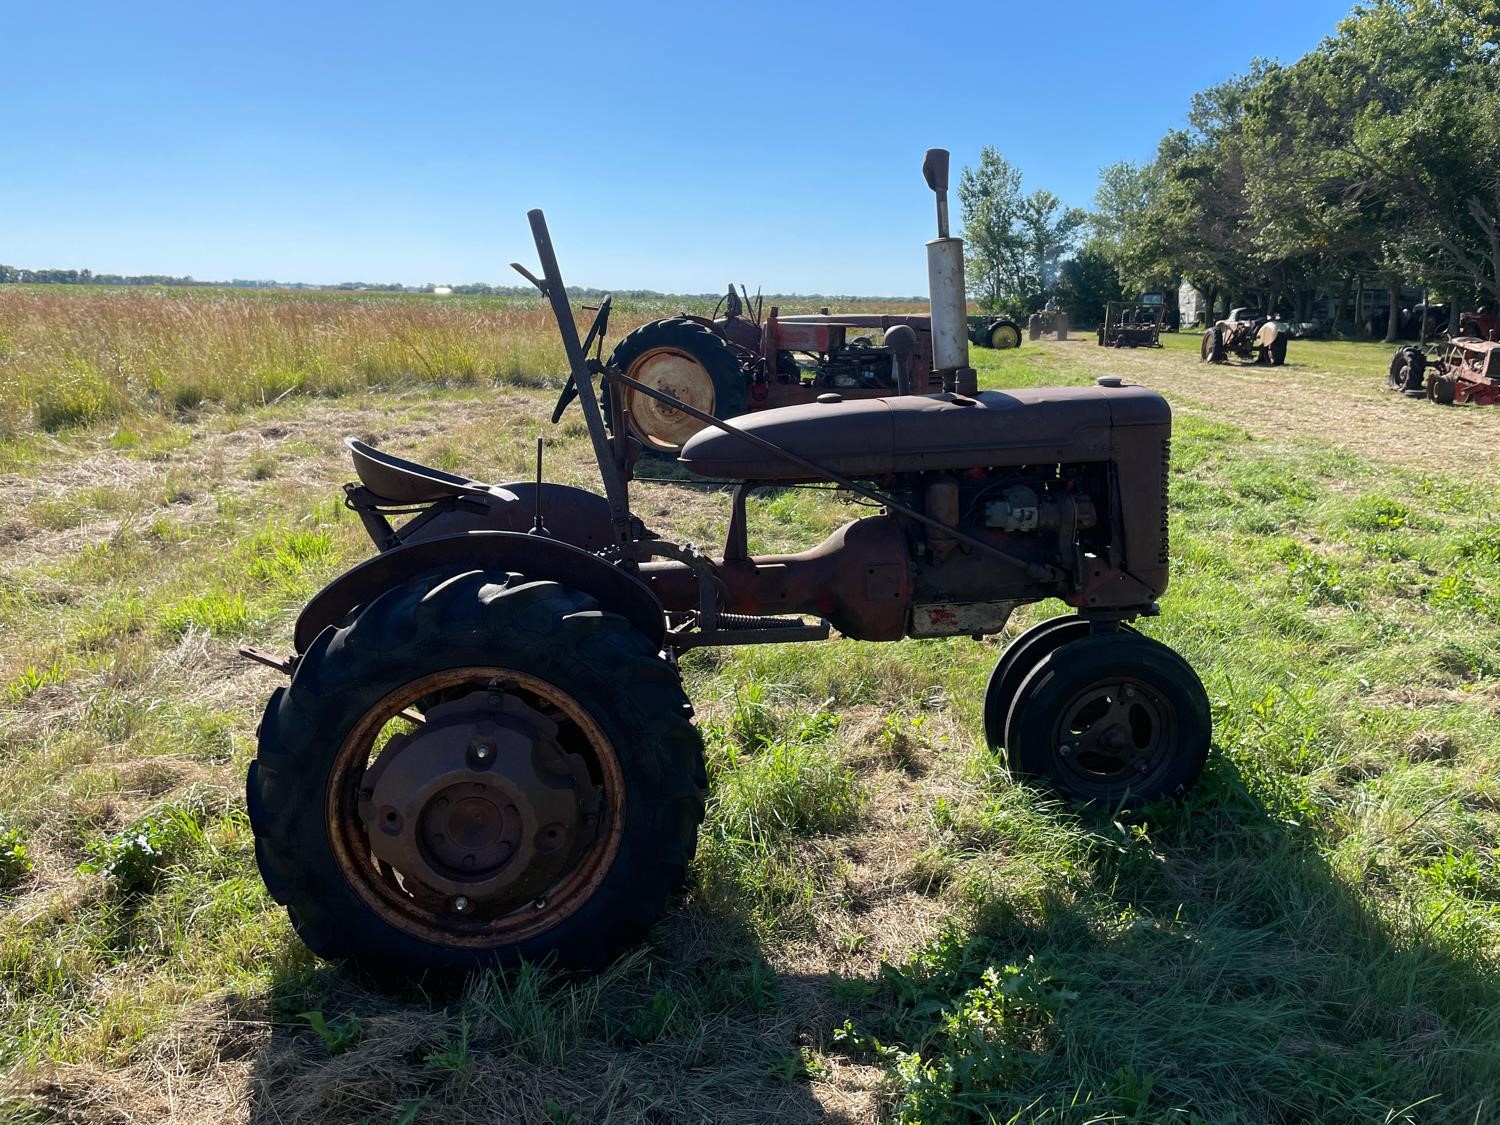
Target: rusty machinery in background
<point x="746" y="358"/>
<point x="1248" y="334"/>
<point x="1043" y="321"/>
<point x="484" y="752"/>
<point x="1130" y="325"/>
<point x="1460" y="370"/>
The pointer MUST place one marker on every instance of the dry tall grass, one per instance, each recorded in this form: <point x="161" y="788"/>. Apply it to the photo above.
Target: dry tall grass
<point x="72" y="355"/>
<point x="69" y="357"/>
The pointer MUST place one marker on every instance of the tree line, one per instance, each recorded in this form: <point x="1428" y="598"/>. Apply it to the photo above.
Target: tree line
<point x="1373" y="159"/>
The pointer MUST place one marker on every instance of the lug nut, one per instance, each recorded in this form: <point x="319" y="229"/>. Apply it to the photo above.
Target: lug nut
<point x="459" y="904"/>
<point x="481" y="754"/>
<point x="1066" y="749"/>
<point x="1129" y="692"/>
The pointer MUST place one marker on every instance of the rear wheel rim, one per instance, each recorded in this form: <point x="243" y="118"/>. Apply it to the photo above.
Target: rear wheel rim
<point x="674" y="372"/>
<point x="488" y="823"/>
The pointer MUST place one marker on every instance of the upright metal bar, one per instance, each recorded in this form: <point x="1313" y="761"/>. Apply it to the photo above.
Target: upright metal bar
<point x="615" y="487"/>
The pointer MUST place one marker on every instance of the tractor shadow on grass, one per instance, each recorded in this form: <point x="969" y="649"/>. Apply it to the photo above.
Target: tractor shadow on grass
<point x="695" y="1026"/>
<point x="1212" y="963"/>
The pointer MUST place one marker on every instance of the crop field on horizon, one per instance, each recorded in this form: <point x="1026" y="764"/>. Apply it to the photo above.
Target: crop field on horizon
<point x="880" y="923"/>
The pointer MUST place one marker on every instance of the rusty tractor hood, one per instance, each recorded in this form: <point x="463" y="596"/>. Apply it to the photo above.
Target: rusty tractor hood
<point x="927" y="433"/>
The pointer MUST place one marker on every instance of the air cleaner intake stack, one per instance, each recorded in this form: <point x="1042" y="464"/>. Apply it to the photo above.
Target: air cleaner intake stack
<point x="945" y="283"/>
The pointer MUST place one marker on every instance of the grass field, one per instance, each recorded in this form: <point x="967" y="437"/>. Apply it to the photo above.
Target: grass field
<point x="880" y="924"/>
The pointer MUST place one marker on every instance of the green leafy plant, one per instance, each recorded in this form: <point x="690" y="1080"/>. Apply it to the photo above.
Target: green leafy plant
<point x="453" y="1054"/>
<point x="134" y="859"/>
<point x="337" y="1036"/>
<point x="15" y="863"/>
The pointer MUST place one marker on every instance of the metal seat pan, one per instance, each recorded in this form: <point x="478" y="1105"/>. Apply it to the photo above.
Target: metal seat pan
<point x="404" y="482"/>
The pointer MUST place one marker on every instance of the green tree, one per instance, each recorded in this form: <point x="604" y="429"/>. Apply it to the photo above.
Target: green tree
<point x="1049" y="232"/>
<point x="1123" y="205"/>
<point x="994" y="249"/>
<point x="1086" y="282"/>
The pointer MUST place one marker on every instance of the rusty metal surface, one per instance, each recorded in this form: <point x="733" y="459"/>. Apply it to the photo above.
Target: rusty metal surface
<point x="571" y="514"/>
<point x="392" y="819"/>
<point x="678" y="374"/>
<point x="858" y="579"/>
<point x="1469" y="373"/>
<point x="923" y="433"/>
<point x="531" y="555"/>
<point x="1128" y="325"/>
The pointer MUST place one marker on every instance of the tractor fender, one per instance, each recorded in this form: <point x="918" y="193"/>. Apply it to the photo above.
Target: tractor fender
<point x="534" y="556"/>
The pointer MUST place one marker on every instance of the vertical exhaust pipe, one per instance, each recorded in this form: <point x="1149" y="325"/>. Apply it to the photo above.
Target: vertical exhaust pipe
<point x="945" y="284"/>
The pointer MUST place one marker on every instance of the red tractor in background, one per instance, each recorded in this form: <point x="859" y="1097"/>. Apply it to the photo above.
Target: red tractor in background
<point x="739" y="362"/>
<point x="1465" y="369"/>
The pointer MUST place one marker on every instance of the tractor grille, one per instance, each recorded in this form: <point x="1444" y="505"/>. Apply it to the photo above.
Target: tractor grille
<point x="1165" y="555"/>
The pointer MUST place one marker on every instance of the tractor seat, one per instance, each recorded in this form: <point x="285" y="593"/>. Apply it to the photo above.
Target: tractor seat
<point x="405" y="482"/>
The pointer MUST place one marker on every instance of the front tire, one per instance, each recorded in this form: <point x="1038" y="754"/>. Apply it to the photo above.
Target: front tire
<point x="1407" y="370"/>
<point x="1109" y="718"/>
<point x="1016" y="663"/>
<point x="476" y="769"/>
<point x="1212" y="348"/>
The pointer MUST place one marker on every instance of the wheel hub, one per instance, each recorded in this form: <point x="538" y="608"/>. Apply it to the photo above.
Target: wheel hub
<point x="1114" y="730"/>
<point x="679" y="375"/>
<point x="481" y="804"/>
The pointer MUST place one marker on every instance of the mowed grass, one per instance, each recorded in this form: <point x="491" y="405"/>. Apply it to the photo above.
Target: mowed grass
<point x="881" y="924"/>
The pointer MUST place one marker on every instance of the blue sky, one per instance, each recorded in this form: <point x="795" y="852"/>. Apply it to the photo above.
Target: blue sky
<point x="674" y="147"/>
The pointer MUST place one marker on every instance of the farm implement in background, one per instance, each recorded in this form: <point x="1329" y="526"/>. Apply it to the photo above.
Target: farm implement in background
<point x="1462" y="370"/>
<point x="1131" y="326"/>
<point x="740" y="361"/>
<point x="1248" y="334"/>
<point x="1045" y="321"/>
<point x="485" y="751"/>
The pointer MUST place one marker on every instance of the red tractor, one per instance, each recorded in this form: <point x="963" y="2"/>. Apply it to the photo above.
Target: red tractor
<point x="484" y="751"/>
<point x="738" y="362"/>
<point x="1465" y="369"/>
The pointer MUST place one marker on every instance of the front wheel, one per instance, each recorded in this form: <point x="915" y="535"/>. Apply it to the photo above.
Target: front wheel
<point x="1016" y="663"/>
<point x="476" y="769"/>
<point x="1109" y="718"/>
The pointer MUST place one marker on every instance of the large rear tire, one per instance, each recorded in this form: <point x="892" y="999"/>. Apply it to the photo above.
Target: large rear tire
<point x="1407" y="372"/>
<point x="688" y="361"/>
<point x="1003" y="334"/>
<point x="475" y="769"/>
